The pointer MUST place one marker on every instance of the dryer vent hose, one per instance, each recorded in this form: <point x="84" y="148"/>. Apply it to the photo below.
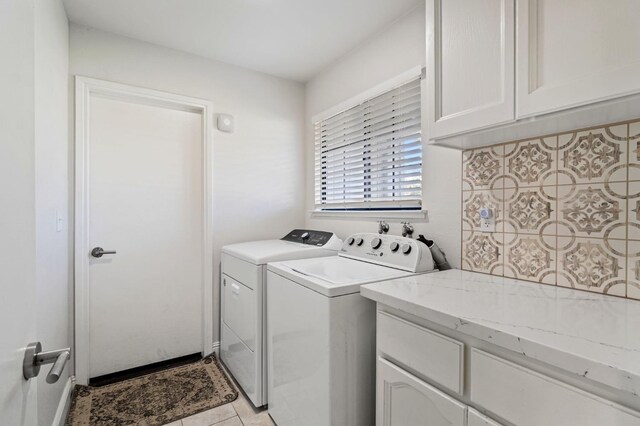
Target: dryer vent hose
<point x="439" y="257"/>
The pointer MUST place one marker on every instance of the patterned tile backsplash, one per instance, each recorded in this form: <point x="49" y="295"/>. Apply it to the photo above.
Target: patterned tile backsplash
<point x="567" y="209"/>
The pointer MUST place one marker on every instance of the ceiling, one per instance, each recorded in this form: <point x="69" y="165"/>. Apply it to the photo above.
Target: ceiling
<point x="294" y="39"/>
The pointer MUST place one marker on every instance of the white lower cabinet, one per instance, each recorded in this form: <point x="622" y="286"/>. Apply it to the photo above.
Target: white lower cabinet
<point x="405" y="400"/>
<point x="412" y="390"/>
<point x="528" y="398"/>
<point x="431" y="354"/>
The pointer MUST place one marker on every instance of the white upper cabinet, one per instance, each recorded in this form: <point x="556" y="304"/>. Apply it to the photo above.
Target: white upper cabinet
<point x="470" y="65"/>
<point x="500" y="70"/>
<point x="575" y="52"/>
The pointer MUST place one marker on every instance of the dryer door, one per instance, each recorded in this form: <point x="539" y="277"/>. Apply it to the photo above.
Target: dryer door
<point x="240" y="310"/>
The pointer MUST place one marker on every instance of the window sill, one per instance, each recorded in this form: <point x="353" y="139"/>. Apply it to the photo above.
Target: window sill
<point x="390" y="215"/>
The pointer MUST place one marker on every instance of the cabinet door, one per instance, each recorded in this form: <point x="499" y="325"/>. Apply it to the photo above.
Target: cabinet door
<point x="574" y="52"/>
<point x="477" y="419"/>
<point x="525" y="397"/>
<point x="470" y="65"/>
<point x="405" y="400"/>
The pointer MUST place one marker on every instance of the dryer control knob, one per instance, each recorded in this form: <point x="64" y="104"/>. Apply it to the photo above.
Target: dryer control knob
<point x="406" y="249"/>
<point x="350" y="241"/>
<point x="394" y="246"/>
<point x="376" y="243"/>
<point x="359" y="241"/>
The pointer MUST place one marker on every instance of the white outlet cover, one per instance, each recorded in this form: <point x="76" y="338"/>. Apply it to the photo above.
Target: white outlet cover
<point x="487" y="225"/>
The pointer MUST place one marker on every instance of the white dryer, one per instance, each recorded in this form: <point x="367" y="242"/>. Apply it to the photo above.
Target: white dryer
<point x="321" y="332"/>
<point x="243" y="333"/>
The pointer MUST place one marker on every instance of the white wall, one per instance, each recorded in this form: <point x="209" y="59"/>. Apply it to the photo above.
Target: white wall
<point x="53" y="284"/>
<point x="258" y="190"/>
<point x="392" y="52"/>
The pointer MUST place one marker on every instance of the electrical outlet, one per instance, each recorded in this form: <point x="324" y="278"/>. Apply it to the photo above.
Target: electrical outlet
<point x="487" y="220"/>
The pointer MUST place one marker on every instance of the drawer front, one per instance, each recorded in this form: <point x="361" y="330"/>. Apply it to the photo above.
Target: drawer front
<point x="433" y="355"/>
<point x="241" y="361"/>
<point x="248" y="274"/>
<point x="527" y="398"/>
<point x="240" y="308"/>
<point x="405" y="400"/>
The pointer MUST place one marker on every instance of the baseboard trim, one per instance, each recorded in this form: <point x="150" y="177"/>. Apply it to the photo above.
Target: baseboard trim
<point x="60" y="417"/>
<point x="216" y="347"/>
<point x="143" y="370"/>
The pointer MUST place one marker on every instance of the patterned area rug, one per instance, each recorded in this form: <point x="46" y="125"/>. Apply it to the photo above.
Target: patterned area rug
<point x="154" y="399"/>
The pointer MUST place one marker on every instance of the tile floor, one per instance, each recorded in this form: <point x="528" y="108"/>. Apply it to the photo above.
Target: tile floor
<point x="239" y="413"/>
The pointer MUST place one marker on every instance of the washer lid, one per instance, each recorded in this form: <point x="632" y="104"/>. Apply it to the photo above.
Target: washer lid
<point x="261" y="252"/>
<point x="335" y="276"/>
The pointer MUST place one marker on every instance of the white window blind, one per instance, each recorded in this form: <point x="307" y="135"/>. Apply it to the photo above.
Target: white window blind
<point x="369" y="157"/>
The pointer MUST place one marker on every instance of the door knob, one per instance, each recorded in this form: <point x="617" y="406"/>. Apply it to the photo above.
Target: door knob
<point x="99" y="252"/>
<point x="34" y="357"/>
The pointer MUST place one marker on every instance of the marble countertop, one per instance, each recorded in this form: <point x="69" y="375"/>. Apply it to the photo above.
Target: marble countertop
<point x="590" y="335"/>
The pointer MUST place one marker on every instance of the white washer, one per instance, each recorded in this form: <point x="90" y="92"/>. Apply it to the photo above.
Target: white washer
<point x="321" y="332"/>
<point x="243" y="328"/>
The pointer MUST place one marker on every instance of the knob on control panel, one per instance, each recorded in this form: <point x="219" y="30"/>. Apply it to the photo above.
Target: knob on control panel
<point x="304" y="236"/>
<point x="376" y="243"/>
<point x="388" y="250"/>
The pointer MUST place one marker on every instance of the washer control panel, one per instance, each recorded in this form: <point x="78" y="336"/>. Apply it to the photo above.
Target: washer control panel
<point x="310" y="237"/>
<point x="389" y="250"/>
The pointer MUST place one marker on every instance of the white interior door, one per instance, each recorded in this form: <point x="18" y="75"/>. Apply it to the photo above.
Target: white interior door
<point x="144" y="189"/>
<point x="18" y="397"/>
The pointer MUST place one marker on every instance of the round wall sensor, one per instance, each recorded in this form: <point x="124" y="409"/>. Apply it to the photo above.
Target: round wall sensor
<point x="225" y="123"/>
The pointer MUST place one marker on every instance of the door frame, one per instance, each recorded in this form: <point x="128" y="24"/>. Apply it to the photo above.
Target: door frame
<point x="85" y="88"/>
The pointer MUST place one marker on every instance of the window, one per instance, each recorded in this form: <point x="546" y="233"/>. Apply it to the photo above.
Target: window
<point x="369" y="157"/>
